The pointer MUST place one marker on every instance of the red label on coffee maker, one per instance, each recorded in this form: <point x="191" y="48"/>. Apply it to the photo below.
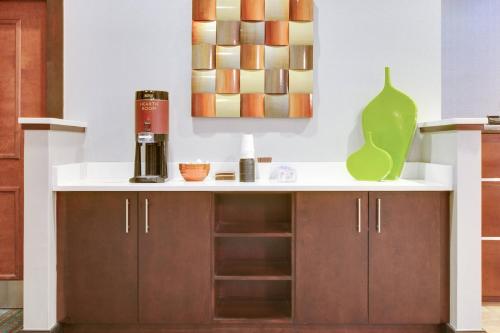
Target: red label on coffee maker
<point x="151" y="115"/>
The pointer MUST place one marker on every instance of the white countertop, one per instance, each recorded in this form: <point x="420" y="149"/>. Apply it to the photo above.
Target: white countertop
<point x="311" y="177"/>
<point x="234" y="186"/>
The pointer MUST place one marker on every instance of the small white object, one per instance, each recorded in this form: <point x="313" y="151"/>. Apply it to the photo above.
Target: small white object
<point x="284" y="174"/>
<point x="264" y="171"/>
<point x="247" y="146"/>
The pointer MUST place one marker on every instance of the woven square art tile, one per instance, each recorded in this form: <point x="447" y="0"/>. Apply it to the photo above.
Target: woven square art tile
<point x="252" y="59"/>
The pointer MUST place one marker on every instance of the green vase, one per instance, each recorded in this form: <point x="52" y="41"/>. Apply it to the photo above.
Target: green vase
<point x="391" y="117"/>
<point x="370" y="162"/>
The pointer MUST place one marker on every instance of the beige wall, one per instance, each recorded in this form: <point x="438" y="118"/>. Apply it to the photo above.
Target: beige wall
<point x="11" y="294"/>
<point x="115" y="47"/>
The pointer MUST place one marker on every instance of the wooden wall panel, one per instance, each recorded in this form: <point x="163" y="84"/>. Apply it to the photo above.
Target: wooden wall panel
<point x="9" y="235"/>
<point x="23" y="68"/>
<point x="10" y="88"/>
<point x="55" y="56"/>
<point x="491" y="155"/>
<point x="33" y="18"/>
<point x="491" y="269"/>
<point x="491" y="209"/>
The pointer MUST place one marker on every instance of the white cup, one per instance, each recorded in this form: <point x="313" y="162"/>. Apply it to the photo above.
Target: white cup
<point x="247" y="146"/>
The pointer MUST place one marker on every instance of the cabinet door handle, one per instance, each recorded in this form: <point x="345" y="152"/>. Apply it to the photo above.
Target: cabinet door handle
<point x="359" y="215"/>
<point x="146" y="224"/>
<point x="379" y="215"/>
<point x="127" y="205"/>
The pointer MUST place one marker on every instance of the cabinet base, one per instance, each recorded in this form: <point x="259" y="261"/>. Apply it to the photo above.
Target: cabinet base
<point x="66" y="328"/>
<point x="449" y="329"/>
<point x="492" y="299"/>
<point x="56" y="329"/>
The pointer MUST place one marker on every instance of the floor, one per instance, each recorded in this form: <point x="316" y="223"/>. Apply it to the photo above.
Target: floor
<point x="11" y="321"/>
<point x="491" y="317"/>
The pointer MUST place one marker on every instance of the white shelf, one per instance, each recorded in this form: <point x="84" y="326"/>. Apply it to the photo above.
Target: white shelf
<point x="52" y="121"/>
<point x="454" y="121"/>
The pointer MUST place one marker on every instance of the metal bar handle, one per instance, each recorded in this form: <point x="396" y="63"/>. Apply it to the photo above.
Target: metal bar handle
<point x="146" y="225"/>
<point x="127" y="205"/>
<point x="379" y="215"/>
<point x="359" y="215"/>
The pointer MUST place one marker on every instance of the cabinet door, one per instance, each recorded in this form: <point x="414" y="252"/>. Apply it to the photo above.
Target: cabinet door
<point x="175" y="257"/>
<point x="331" y="258"/>
<point x="491" y="270"/>
<point x="97" y="257"/>
<point x="490" y="209"/>
<point x="408" y="257"/>
<point x="491" y="155"/>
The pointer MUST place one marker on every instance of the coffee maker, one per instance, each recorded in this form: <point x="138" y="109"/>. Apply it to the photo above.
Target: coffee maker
<point x="151" y="136"/>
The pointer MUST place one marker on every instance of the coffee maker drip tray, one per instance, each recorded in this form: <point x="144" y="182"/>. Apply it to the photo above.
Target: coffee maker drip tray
<point x="147" y="179"/>
<point x="150" y="158"/>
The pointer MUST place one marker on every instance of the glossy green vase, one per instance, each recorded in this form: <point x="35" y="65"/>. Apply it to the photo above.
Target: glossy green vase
<point x="391" y="117"/>
<point x="370" y="162"/>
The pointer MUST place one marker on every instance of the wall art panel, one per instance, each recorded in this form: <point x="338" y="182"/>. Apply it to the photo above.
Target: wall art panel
<point x="252" y="59"/>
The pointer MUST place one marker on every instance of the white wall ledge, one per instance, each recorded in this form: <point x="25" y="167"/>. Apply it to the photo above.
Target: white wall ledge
<point x="52" y="122"/>
<point x="453" y="122"/>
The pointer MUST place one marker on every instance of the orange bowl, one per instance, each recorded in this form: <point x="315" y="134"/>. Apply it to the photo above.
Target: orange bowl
<point x="194" y="172"/>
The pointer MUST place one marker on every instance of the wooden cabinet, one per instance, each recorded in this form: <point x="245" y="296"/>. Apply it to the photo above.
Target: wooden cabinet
<point x="220" y="262"/>
<point x="134" y="258"/>
<point x="332" y="258"/>
<point x="174" y="257"/>
<point x="391" y="270"/>
<point x="97" y="257"/>
<point x="408" y="258"/>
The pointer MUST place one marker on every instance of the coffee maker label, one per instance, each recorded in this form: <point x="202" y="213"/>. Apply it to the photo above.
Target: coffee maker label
<point x="151" y="115"/>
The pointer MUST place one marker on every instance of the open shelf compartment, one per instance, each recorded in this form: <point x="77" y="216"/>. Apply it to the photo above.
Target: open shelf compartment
<point x="253" y="214"/>
<point x="253" y="300"/>
<point x="253" y="258"/>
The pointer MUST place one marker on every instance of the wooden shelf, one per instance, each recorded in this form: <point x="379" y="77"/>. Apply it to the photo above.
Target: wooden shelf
<point x="253" y="253"/>
<point x="253" y="270"/>
<point x="251" y="309"/>
<point x="228" y="229"/>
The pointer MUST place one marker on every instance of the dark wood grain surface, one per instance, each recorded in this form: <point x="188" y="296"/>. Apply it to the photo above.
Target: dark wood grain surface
<point x="97" y="259"/>
<point x="491" y="269"/>
<point x="9" y="233"/>
<point x="491" y="155"/>
<point x="22" y="93"/>
<point x="257" y="328"/>
<point x="175" y="257"/>
<point x="405" y="258"/>
<point x="325" y="275"/>
<point x="331" y="258"/>
<point x="491" y="209"/>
